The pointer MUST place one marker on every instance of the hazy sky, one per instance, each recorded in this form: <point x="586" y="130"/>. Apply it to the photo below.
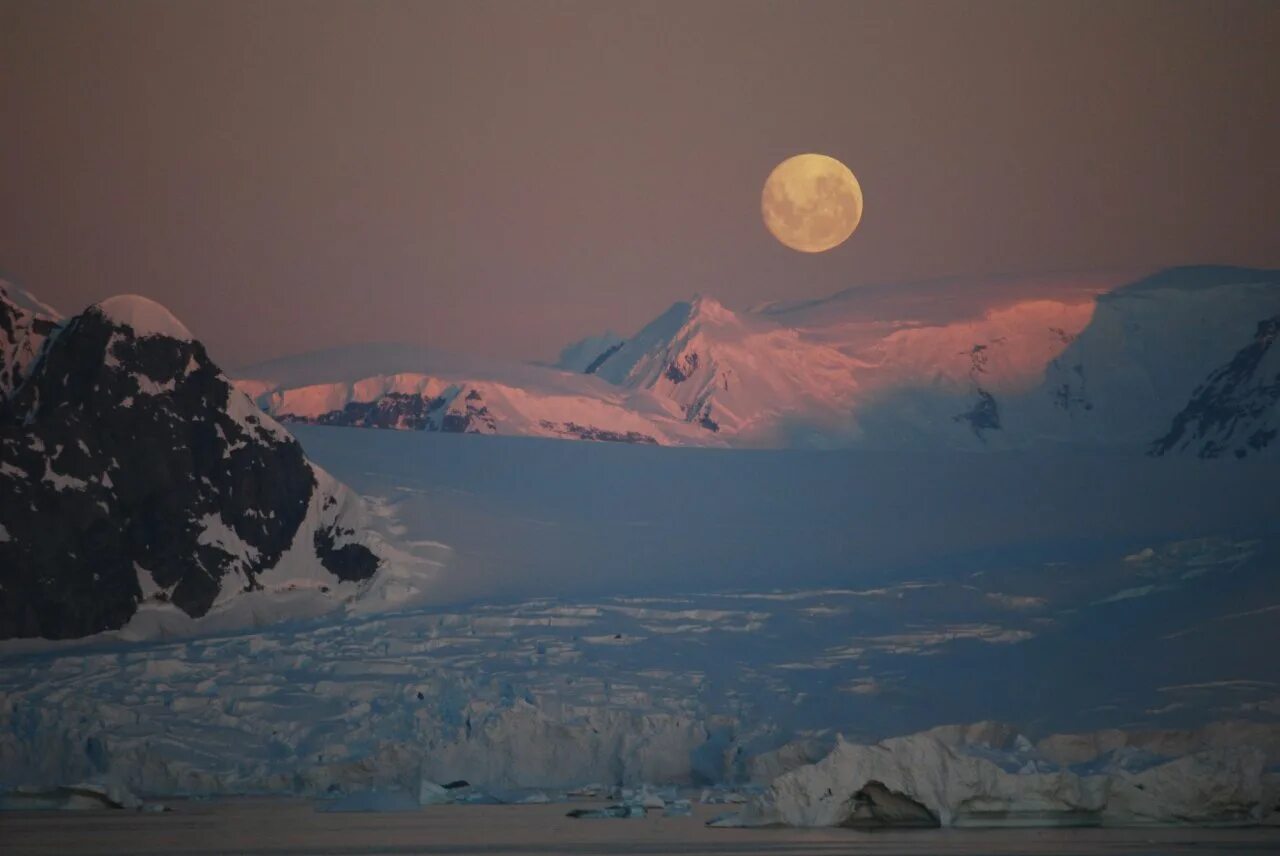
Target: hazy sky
<point x="503" y="178"/>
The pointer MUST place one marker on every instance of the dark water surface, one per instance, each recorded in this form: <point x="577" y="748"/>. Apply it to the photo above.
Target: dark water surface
<point x="290" y="826"/>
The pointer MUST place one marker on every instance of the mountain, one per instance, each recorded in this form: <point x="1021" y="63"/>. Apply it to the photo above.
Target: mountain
<point x="736" y="373"/>
<point x="1175" y="362"/>
<point x="135" y="478"/>
<point x="1178" y="362"/>
<point x="25" y="324"/>
<point x="1234" y="411"/>
<point x="403" y="387"/>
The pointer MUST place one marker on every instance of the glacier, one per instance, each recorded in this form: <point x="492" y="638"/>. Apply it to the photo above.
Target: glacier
<point x="553" y="617"/>
<point x="575" y="635"/>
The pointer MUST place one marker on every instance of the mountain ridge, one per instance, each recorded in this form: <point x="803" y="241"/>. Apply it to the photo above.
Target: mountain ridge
<point x="1093" y="360"/>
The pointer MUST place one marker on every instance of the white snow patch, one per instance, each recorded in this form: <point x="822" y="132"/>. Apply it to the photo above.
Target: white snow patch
<point x="147" y="583"/>
<point x="215" y="532"/>
<point x="61" y="482"/>
<point x="144" y="316"/>
<point x="147" y="386"/>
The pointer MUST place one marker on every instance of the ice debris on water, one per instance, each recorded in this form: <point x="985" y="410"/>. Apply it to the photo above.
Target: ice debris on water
<point x="621" y="810"/>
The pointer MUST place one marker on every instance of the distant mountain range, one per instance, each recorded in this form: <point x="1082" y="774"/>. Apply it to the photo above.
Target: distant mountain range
<point x="1177" y="362"/>
<point x="139" y="484"/>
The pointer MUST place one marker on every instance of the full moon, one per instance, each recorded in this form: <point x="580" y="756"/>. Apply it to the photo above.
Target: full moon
<point x="811" y="203"/>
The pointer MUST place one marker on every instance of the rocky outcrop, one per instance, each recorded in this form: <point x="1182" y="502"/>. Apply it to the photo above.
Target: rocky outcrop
<point x="133" y="472"/>
<point x="1233" y="413"/>
<point x="25" y="325"/>
<point x="456" y="411"/>
<point x="572" y="430"/>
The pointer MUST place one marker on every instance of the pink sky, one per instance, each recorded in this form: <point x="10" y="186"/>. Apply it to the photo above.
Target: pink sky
<point x="504" y="178"/>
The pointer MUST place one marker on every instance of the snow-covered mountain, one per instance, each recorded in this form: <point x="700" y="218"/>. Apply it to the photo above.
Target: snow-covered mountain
<point x="1145" y="356"/>
<point x="740" y="373"/>
<point x="139" y="485"/>
<point x="1177" y="362"/>
<point x="402" y="387"/>
<point x="1080" y="361"/>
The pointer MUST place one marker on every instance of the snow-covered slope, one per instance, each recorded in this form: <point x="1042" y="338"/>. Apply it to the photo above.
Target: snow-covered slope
<point x="586" y="355"/>
<point x="1122" y="362"/>
<point x="737" y="373"/>
<point x="139" y="486"/>
<point x="1234" y="411"/>
<point x="1082" y="361"/>
<point x="399" y="386"/>
<point x="25" y="324"/>
<point x="1151" y="350"/>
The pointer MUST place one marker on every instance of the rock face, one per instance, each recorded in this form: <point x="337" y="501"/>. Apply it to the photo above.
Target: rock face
<point x="1234" y="412"/>
<point x="25" y="325"/>
<point x="948" y="777"/>
<point x="456" y="410"/>
<point x="424" y="393"/>
<point x="133" y="472"/>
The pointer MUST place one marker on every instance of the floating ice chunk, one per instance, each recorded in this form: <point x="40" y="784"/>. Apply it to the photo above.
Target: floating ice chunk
<point x="429" y="793"/>
<point x="535" y="798"/>
<point x="678" y="808"/>
<point x="593" y="791"/>
<point x="371" y="801"/>
<point x="721" y="796"/>
<point x="624" y="810"/>
<point x="742" y="820"/>
<point x="651" y="801"/>
<point x="85" y="796"/>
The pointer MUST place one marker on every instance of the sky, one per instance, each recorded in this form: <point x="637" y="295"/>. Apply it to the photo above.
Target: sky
<point x="503" y="178"/>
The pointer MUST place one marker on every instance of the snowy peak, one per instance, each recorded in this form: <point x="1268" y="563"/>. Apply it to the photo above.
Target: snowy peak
<point x="143" y="316"/>
<point x="728" y="372"/>
<point x="24" y="300"/>
<point x="704" y="309"/>
<point x="667" y="347"/>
